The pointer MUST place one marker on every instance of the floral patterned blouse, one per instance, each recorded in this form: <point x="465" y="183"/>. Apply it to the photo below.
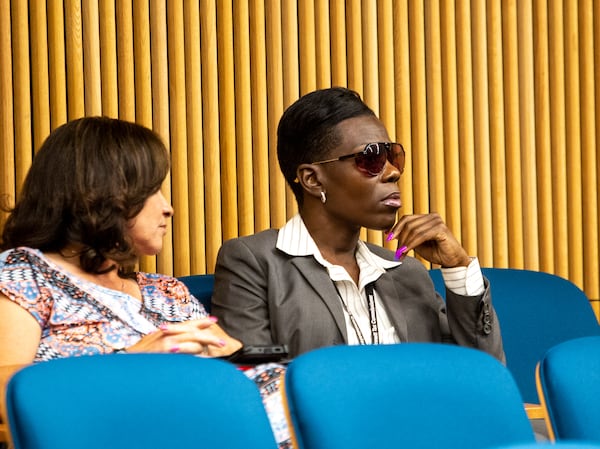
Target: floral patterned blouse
<point x="78" y="317"/>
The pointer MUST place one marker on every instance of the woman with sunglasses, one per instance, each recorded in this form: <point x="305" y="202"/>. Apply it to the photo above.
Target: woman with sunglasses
<point x="314" y="283"/>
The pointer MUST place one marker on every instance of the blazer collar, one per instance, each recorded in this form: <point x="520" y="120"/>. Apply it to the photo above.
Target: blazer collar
<point x="318" y="279"/>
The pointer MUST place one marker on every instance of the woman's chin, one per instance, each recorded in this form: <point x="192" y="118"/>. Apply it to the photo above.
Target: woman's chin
<point x="383" y="226"/>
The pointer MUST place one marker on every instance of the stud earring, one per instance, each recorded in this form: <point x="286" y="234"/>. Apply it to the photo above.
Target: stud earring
<point x="323" y="197"/>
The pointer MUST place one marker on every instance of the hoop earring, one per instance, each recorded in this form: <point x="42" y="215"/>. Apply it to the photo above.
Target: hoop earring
<point x="323" y="197"/>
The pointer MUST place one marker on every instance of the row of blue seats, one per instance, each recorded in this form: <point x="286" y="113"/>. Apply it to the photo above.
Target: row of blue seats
<point x="416" y="395"/>
<point x="536" y="311"/>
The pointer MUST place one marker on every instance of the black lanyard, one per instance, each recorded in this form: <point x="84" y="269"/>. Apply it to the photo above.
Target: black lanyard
<point x="370" y="291"/>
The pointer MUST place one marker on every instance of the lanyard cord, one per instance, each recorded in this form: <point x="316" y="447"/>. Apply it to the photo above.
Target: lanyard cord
<point x="372" y="315"/>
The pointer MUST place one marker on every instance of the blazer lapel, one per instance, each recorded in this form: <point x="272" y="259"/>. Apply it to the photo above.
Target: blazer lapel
<point x="323" y="286"/>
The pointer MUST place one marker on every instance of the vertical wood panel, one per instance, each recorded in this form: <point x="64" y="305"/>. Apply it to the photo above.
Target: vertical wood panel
<point x="573" y="140"/>
<point x="594" y="292"/>
<point x="354" y="45"/>
<point x="307" y="45"/>
<point x="543" y="144"/>
<point x="515" y="249"/>
<point x="466" y="132"/>
<point x="243" y="117"/>
<point x="527" y="136"/>
<point x="481" y="126"/>
<point x="39" y="74"/>
<point x="260" y="136"/>
<point x="275" y="109"/>
<point x="337" y="11"/>
<point x="499" y="174"/>
<point x="178" y="131"/>
<point x="108" y="55"/>
<point x="419" y="161"/>
<point x="142" y="62"/>
<point x="403" y="103"/>
<point x="589" y="157"/>
<point x="160" y="113"/>
<point x="227" y="123"/>
<point x="435" y="115"/>
<point x="57" y="63"/>
<point x="558" y="137"/>
<point x="322" y="46"/>
<point x="7" y="137"/>
<point x="291" y="81"/>
<point x="91" y="58"/>
<point x="210" y="112"/>
<point x="195" y="159"/>
<point x="451" y="146"/>
<point x="125" y="60"/>
<point x="573" y="130"/>
<point x="19" y="140"/>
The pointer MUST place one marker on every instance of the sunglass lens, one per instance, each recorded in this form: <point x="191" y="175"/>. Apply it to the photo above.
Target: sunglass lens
<point x="395" y="155"/>
<point x="372" y="159"/>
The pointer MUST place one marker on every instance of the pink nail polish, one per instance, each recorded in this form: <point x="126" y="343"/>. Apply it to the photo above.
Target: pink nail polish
<point x="222" y="343"/>
<point x="390" y="236"/>
<point x="401" y="251"/>
<point x="163" y="327"/>
<point x="174" y="349"/>
<point x="214" y="319"/>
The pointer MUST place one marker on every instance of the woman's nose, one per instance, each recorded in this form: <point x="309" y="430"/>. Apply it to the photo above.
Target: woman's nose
<point x="168" y="211"/>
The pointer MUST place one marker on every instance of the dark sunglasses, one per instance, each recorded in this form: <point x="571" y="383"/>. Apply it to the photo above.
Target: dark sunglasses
<point x="372" y="158"/>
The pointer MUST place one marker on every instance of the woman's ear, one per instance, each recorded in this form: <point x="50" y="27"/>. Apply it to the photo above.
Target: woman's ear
<point x="307" y="175"/>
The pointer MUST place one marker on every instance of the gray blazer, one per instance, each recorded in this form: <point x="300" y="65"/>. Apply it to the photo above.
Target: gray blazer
<point x="265" y="296"/>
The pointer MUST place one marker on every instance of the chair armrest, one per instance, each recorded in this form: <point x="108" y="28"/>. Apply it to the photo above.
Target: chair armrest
<point x="534" y="411"/>
<point x="6" y="373"/>
<point x="3" y="433"/>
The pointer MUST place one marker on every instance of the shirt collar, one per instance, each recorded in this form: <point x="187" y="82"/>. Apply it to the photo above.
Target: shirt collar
<point x="295" y="240"/>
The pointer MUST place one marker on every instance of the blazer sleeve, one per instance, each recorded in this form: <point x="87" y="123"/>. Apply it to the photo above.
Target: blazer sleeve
<point x="473" y="322"/>
<point x="240" y="294"/>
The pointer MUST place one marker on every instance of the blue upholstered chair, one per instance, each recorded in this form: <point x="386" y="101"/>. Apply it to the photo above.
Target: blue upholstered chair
<point x="130" y="401"/>
<point x="410" y="395"/>
<point x="536" y="311"/>
<point x="201" y="286"/>
<point x="568" y="380"/>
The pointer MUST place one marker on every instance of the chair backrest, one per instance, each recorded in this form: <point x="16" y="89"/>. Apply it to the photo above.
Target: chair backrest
<point x="424" y="395"/>
<point x="201" y="286"/>
<point x="130" y="401"/>
<point x="568" y="379"/>
<point x="536" y="311"/>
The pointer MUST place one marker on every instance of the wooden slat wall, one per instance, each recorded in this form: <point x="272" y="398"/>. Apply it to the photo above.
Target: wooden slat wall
<point x="495" y="102"/>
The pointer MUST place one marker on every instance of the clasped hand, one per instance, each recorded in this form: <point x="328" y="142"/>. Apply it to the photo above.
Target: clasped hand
<point x="201" y="337"/>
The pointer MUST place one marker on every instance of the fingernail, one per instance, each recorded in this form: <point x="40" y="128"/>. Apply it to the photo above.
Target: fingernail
<point x="174" y="349"/>
<point x="214" y="319"/>
<point x="390" y="236"/>
<point x="222" y="343"/>
<point x="400" y="251"/>
<point x="163" y="327"/>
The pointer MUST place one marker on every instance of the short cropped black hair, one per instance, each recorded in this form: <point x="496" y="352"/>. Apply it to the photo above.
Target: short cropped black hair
<point x="307" y="129"/>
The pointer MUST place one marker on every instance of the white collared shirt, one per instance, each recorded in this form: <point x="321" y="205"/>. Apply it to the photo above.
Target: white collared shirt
<point x="295" y="240"/>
